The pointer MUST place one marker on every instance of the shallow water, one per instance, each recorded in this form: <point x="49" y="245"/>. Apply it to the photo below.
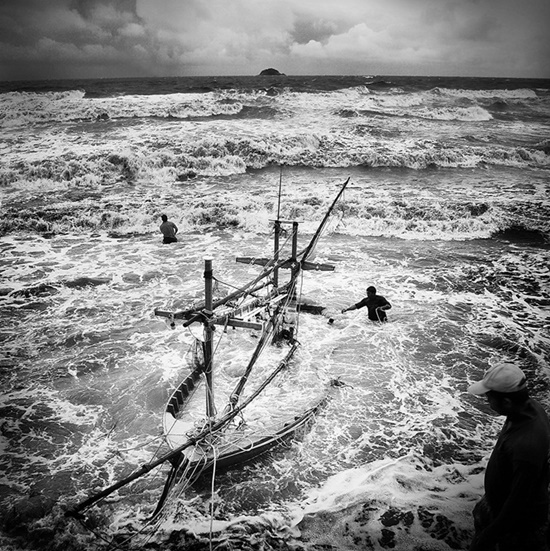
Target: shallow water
<point x="396" y="458"/>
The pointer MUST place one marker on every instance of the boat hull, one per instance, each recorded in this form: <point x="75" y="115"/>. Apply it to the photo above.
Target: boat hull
<point x="232" y="444"/>
<point x="231" y="451"/>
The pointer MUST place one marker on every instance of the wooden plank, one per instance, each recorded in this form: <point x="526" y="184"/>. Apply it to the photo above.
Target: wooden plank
<point x="306" y="265"/>
<point x="233" y="322"/>
<point x="253" y="260"/>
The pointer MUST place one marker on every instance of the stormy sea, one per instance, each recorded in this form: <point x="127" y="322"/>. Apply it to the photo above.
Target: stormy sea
<point x="447" y="214"/>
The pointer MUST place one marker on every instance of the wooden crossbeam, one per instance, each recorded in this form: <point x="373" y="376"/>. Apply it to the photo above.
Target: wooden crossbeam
<point x="231" y="322"/>
<point x="306" y="265"/>
<point x="235" y="322"/>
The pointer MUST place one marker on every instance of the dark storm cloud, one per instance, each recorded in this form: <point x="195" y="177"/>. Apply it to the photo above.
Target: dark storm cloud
<point x="94" y="38"/>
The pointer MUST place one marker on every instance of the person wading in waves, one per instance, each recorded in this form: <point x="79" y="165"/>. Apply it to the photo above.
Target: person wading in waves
<point x="169" y="230"/>
<point x="376" y="305"/>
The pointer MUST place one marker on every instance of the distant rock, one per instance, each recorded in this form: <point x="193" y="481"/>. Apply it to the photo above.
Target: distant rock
<point x="270" y="72"/>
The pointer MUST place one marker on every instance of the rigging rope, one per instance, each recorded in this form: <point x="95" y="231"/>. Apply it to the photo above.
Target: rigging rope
<point x="214" y="450"/>
<point x="119" y="450"/>
<point x="265" y="269"/>
<point x="300" y="296"/>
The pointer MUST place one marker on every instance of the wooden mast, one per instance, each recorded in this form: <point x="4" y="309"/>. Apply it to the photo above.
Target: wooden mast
<point x="276" y="252"/>
<point x="208" y="347"/>
<point x="295" y="266"/>
<point x="277" y="233"/>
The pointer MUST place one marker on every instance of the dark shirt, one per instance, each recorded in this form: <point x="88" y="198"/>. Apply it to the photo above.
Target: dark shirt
<point x="169" y="230"/>
<point x="372" y="303"/>
<point x="516" y="479"/>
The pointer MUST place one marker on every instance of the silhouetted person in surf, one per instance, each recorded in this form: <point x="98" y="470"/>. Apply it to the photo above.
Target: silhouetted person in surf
<point x="513" y="513"/>
<point x="376" y="305"/>
<point x="169" y="230"/>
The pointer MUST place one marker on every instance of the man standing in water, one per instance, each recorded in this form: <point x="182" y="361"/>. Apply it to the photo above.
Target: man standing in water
<point x="513" y="513"/>
<point x="376" y="305"/>
<point x="169" y="230"/>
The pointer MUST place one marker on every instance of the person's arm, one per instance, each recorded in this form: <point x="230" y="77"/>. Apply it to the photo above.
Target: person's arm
<point x="385" y="305"/>
<point x="523" y="488"/>
<point x="356" y="306"/>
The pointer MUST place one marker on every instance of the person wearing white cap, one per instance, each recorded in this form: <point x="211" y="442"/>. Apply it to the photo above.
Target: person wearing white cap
<point x="513" y="513"/>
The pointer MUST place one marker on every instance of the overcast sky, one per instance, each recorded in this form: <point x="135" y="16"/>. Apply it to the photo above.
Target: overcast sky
<point x="120" y="38"/>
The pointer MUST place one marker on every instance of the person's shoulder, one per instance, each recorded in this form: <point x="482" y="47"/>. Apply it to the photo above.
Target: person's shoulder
<point x="541" y="410"/>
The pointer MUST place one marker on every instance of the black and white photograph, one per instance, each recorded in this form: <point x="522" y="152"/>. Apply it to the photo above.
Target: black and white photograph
<point x="274" y="275"/>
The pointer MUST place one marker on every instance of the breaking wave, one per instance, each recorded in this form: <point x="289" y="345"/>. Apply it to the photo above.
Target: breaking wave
<point x="77" y="211"/>
<point x="30" y="108"/>
<point x="213" y="156"/>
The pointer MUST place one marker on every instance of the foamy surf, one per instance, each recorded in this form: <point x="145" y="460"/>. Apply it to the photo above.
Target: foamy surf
<point x="446" y="214"/>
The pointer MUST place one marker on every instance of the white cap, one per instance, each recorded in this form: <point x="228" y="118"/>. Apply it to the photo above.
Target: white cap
<point x="504" y="377"/>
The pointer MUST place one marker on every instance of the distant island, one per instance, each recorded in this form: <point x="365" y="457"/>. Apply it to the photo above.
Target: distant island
<point x="271" y="71"/>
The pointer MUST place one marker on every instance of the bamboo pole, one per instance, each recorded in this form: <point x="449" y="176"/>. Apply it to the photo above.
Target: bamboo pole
<point x="208" y="348"/>
<point x="276" y="252"/>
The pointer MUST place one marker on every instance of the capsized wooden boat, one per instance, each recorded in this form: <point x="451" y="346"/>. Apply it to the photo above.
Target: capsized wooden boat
<point x="224" y="431"/>
<point x="269" y="307"/>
